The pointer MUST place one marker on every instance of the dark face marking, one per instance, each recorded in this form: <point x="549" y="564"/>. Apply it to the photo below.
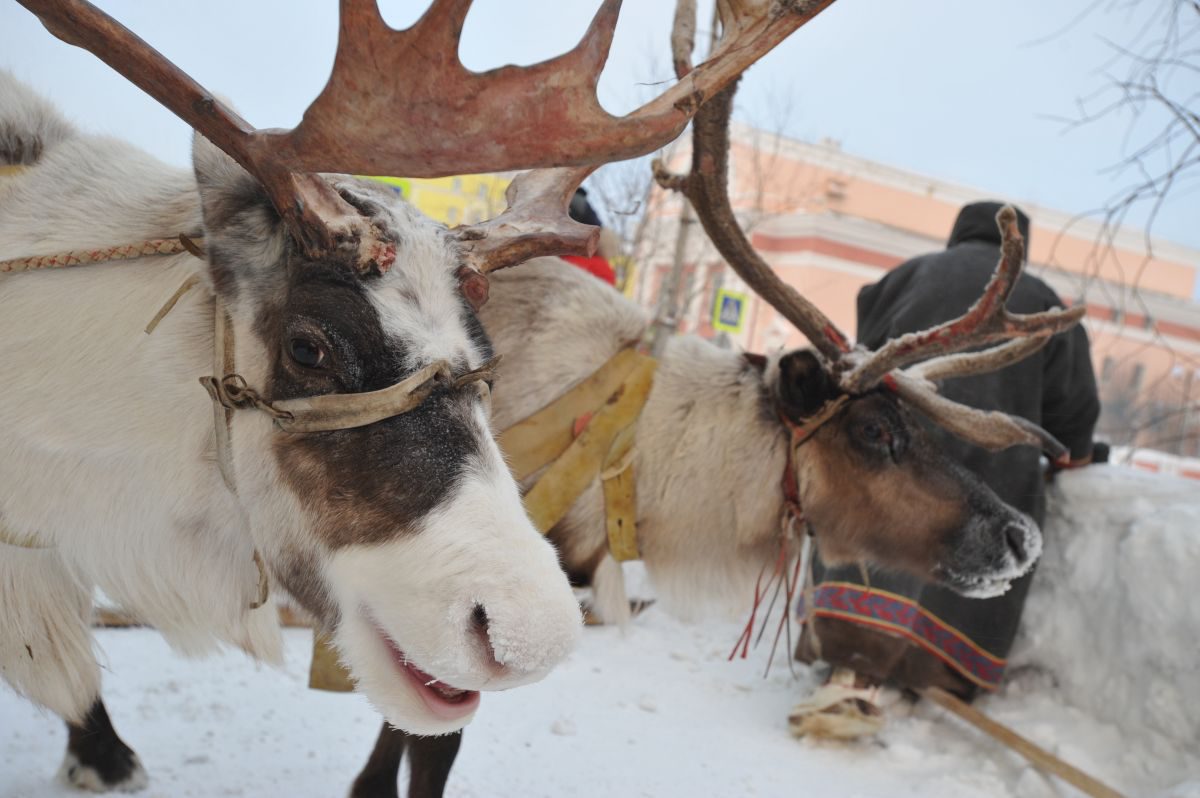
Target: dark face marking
<point x="365" y="484"/>
<point x="878" y="488"/>
<point x="323" y="335"/>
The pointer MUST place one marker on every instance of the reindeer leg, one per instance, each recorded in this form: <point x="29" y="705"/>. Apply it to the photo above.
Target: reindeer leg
<point x="378" y="777"/>
<point x="97" y="759"/>
<point x="430" y="760"/>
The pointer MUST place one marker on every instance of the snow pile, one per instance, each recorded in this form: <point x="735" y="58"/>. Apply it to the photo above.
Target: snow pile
<point x="1113" y="613"/>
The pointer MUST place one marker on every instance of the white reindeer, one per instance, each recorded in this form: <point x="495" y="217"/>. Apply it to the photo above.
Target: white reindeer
<point x="369" y="488"/>
<point x="407" y="536"/>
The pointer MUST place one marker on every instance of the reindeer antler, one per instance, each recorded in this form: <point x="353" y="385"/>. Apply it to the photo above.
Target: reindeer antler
<point x="705" y="187"/>
<point x="986" y="322"/>
<point x="857" y="371"/>
<point x="454" y="121"/>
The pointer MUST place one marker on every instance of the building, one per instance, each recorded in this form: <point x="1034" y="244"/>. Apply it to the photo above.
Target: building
<point x="829" y="222"/>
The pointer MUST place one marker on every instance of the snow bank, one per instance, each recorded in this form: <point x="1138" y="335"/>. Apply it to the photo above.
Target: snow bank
<point x="1113" y="614"/>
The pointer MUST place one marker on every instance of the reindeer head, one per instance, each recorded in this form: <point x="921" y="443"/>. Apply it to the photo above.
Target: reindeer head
<point x="872" y="483"/>
<point x="875" y="485"/>
<point x="407" y="535"/>
<point x="403" y="533"/>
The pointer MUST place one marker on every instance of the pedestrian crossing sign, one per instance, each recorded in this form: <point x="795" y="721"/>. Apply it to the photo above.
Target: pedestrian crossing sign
<point x="729" y="311"/>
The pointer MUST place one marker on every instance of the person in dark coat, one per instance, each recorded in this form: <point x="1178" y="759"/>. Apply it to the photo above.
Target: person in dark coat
<point x="898" y="629"/>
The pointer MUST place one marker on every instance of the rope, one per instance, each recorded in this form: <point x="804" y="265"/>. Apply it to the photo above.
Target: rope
<point x="79" y="257"/>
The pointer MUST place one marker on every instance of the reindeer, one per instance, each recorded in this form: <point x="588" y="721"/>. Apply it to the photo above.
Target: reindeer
<point x="346" y="455"/>
<point x="730" y="448"/>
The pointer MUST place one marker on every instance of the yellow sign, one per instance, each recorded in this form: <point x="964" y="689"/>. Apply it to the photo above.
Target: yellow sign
<point x="464" y="199"/>
<point x="729" y="311"/>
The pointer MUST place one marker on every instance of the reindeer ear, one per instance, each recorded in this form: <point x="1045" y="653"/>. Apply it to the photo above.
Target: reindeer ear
<point x="242" y="230"/>
<point x="803" y="385"/>
<point x="226" y="189"/>
<point x="755" y="361"/>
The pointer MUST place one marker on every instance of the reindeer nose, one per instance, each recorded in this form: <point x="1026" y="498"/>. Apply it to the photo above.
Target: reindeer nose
<point x="481" y="625"/>
<point x="1014" y="536"/>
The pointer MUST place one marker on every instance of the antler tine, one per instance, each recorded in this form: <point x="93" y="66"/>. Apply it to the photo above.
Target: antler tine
<point x="536" y="223"/>
<point x="990" y="429"/>
<point x="964" y="364"/>
<point x="985" y="322"/>
<point x="455" y="121"/>
<point x="706" y="187"/>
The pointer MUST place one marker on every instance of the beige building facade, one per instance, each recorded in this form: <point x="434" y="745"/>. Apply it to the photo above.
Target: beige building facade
<point x="829" y="223"/>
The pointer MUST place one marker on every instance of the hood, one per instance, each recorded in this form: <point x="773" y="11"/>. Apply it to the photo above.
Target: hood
<point x="977" y="222"/>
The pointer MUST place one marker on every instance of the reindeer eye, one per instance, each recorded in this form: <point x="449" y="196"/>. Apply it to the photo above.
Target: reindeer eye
<point x="872" y="432"/>
<point x="306" y="353"/>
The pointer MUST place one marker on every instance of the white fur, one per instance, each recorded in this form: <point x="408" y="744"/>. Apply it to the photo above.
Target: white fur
<point x="107" y="455"/>
<point x="708" y="460"/>
<point x="610" y="602"/>
<point x="470" y="552"/>
<point x="96" y="417"/>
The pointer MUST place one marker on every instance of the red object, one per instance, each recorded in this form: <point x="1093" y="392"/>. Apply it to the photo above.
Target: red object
<point x="596" y="266"/>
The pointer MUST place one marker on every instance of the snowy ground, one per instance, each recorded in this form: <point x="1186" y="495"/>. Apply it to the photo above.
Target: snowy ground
<point x="657" y="711"/>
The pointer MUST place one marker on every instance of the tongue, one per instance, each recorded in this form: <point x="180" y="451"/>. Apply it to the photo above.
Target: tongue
<point x="440" y="698"/>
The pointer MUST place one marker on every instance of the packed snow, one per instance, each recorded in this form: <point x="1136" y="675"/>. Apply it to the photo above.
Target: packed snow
<point x="1105" y="677"/>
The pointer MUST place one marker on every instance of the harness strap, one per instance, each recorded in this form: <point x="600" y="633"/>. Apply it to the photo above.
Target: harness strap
<point x="593" y="451"/>
<point x="801" y="432"/>
<point x="79" y="257"/>
<point x="620" y="497"/>
<point x="348" y="410"/>
<point x="223" y="349"/>
<point x="539" y="439"/>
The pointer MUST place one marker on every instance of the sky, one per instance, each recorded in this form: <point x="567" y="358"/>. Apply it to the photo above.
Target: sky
<point x="966" y="92"/>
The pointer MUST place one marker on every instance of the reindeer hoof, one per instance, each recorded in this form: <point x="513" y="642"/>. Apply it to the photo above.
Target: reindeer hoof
<point x="121" y="771"/>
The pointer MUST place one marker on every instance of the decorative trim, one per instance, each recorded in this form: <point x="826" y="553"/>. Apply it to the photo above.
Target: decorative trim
<point x="900" y="615"/>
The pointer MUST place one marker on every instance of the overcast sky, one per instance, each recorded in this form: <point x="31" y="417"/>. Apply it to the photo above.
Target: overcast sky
<point x="957" y="90"/>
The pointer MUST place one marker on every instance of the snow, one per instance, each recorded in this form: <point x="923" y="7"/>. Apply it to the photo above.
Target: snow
<point x="1107" y="678"/>
<point x="1112" y="614"/>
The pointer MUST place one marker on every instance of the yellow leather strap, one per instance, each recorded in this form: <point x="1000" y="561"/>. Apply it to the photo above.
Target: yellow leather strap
<point x="585" y="457"/>
<point x="620" y="497"/>
<point x="539" y="439"/>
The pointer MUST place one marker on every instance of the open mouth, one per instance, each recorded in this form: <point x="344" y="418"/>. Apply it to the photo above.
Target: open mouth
<point x="443" y="700"/>
<point x="978" y="587"/>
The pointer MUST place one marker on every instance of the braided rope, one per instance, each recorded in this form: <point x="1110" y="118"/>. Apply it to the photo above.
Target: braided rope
<point x="79" y="257"/>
